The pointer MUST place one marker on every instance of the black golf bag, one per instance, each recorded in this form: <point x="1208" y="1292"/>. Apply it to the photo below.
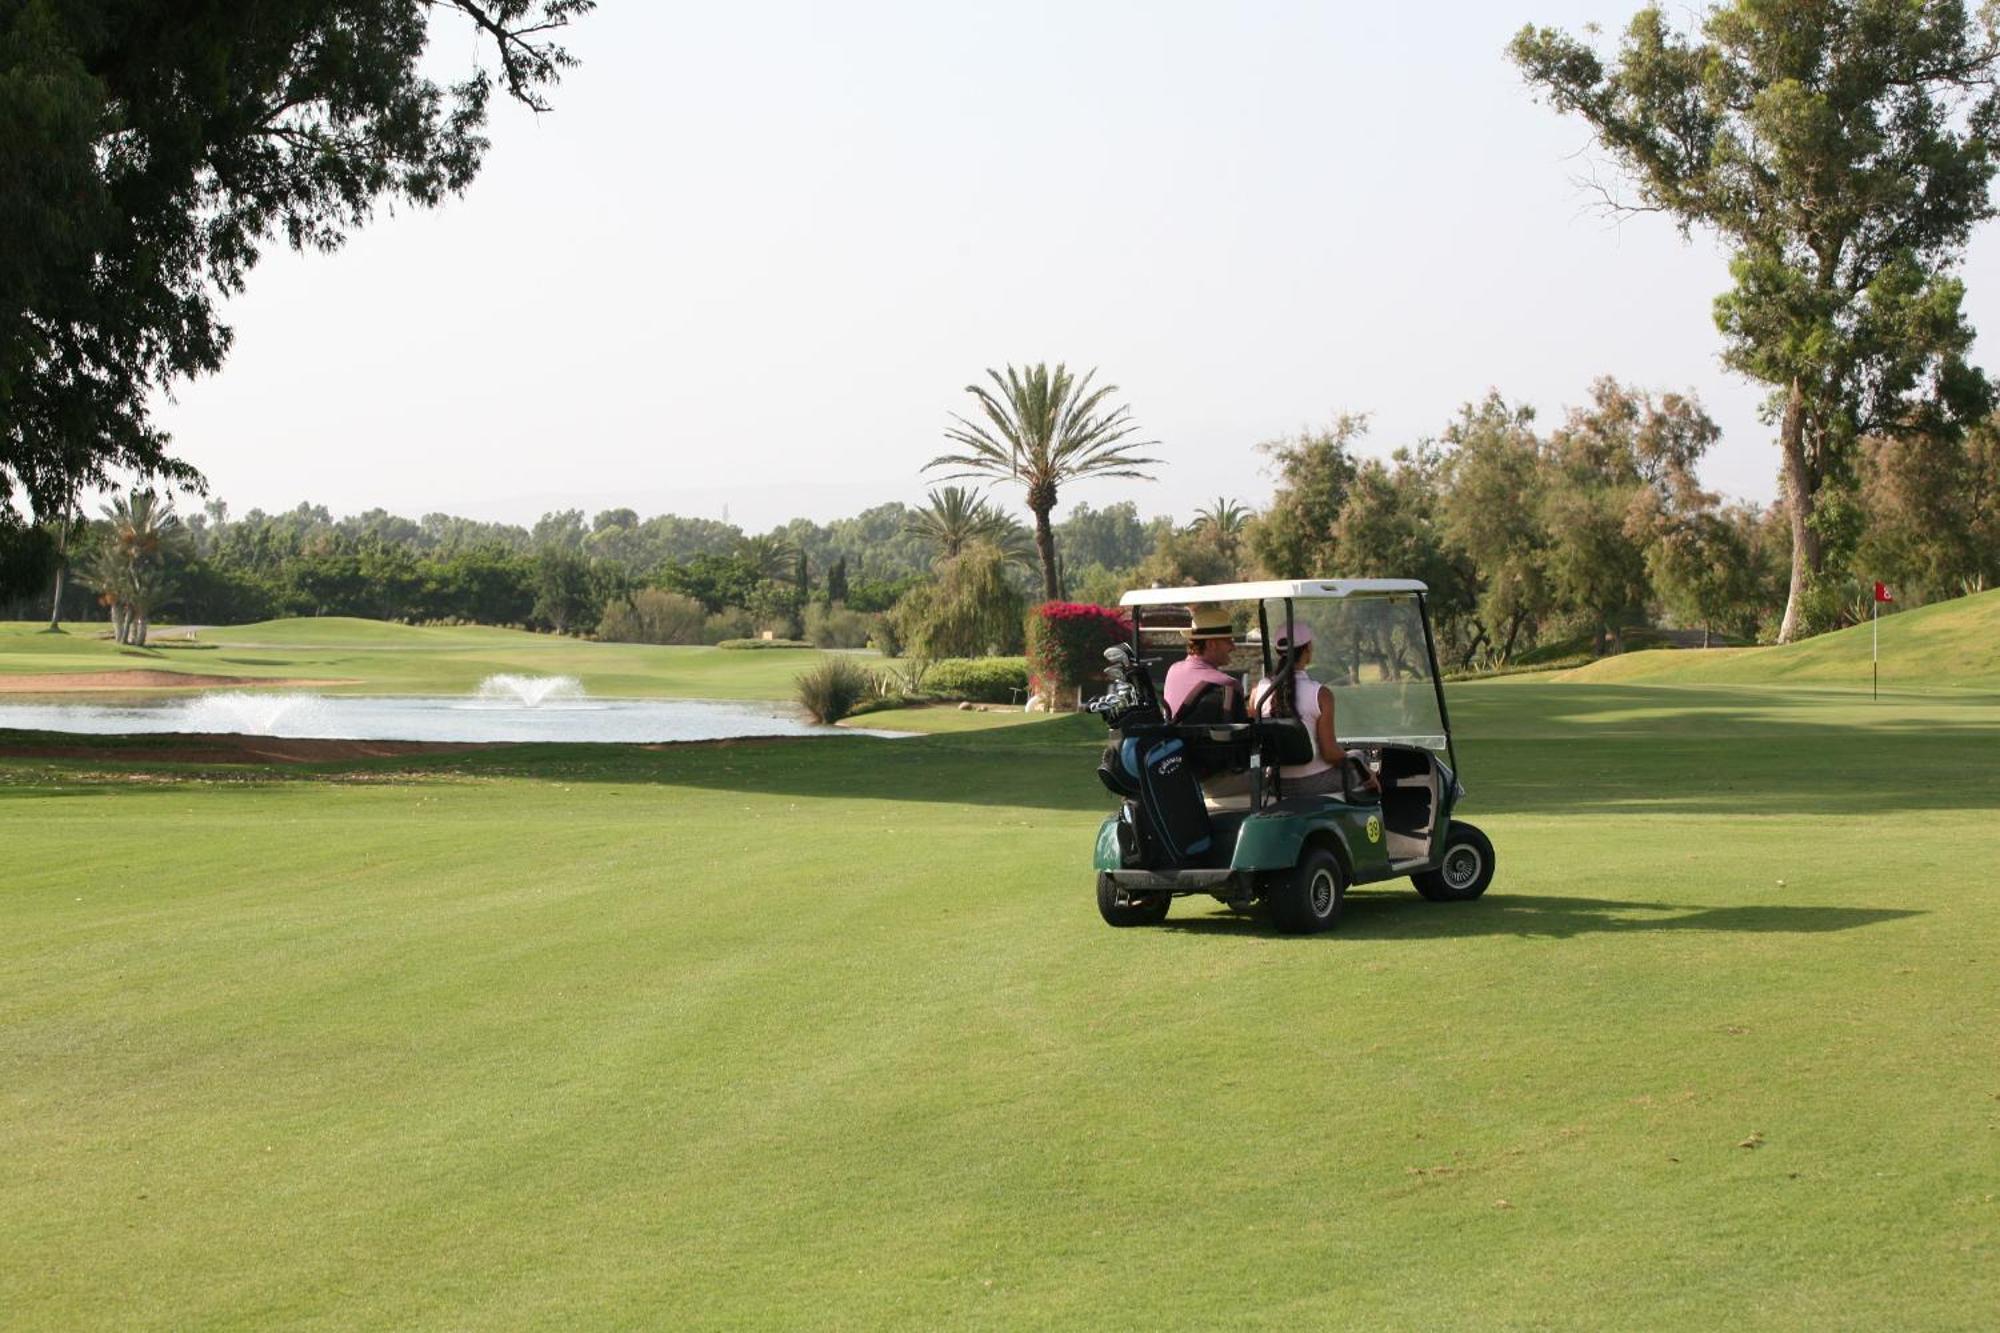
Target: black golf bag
<point x="1163" y="805"/>
<point x="1165" y="823"/>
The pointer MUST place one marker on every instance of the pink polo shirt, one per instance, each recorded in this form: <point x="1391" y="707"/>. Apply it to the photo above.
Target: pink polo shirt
<point x="1188" y="674"/>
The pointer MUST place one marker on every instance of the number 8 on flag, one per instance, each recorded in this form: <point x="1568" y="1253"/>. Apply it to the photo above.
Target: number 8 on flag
<point x="1882" y="593"/>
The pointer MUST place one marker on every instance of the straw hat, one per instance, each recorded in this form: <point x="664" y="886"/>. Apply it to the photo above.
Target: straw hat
<point x="1209" y="624"/>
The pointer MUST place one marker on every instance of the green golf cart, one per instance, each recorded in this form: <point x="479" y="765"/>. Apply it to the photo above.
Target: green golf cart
<point x="1203" y="807"/>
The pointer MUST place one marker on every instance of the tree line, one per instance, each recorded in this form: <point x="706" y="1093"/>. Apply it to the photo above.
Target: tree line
<point x="1580" y="535"/>
<point x="142" y="559"/>
<point x="1566" y="537"/>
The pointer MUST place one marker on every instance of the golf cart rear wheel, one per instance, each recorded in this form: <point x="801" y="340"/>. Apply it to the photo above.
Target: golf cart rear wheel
<point x="1465" y="869"/>
<point x="1307" y="899"/>
<point x="1121" y="908"/>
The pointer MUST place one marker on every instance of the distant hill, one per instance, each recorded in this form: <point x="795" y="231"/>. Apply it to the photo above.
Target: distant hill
<point x="1953" y="644"/>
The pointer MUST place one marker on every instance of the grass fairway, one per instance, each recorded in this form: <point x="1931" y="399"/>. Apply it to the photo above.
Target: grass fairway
<point x="827" y="1033"/>
<point x="377" y="657"/>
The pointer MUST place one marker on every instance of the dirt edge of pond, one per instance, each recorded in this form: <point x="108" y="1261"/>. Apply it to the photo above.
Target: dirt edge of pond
<point x="99" y="682"/>
<point x="223" y="748"/>
<point x="212" y="748"/>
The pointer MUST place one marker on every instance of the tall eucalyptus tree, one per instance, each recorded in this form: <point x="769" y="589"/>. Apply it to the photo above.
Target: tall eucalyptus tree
<point x="1843" y="150"/>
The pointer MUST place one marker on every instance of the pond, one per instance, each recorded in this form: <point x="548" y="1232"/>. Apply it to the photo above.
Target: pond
<point x="504" y="708"/>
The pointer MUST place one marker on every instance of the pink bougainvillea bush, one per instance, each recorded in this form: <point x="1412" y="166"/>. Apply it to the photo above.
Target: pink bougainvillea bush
<point x="1066" y="643"/>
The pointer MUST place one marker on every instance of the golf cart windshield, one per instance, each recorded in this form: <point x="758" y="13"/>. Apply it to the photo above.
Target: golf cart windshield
<point x="1373" y="653"/>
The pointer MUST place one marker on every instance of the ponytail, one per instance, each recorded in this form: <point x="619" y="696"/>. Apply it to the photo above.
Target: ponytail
<point x="1285" y="687"/>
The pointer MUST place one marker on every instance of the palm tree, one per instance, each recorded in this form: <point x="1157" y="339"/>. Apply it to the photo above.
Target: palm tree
<point x="129" y="570"/>
<point x="106" y="570"/>
<point x="1014" y="542"/>
<point x="771" y="556"/>
<point x="150" y="586"/>
<point x="1225" y="520"/>
<point x="1044" y="428"/>
<point x="957" y="516"/>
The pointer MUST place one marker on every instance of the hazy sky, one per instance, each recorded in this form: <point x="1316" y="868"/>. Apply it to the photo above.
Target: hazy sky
<point x="758" y="249"/>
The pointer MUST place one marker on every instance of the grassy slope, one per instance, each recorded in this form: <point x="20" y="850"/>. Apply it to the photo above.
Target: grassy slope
<point x="828" y="1033"/>
<point x="1953" y="644"/>
<point x="383" y="658"/>
<point x="1947" y="645"/>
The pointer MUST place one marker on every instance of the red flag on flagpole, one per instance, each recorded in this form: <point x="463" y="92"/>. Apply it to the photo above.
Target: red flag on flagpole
<point x="1882" y="593"/>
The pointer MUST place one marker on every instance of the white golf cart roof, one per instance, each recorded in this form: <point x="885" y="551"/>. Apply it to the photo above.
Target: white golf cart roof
<point x="1298" y="589"/>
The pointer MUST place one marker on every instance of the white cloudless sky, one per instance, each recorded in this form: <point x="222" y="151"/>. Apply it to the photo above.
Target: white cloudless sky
<point x="752" y="257"/>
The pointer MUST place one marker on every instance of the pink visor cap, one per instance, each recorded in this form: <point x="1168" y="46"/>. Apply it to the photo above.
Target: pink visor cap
<point x="1301" y="636"/>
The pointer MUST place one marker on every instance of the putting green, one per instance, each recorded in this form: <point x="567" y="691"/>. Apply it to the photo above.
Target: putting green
<point x="828" y="1033"/>
<point x="1950" y="645"/>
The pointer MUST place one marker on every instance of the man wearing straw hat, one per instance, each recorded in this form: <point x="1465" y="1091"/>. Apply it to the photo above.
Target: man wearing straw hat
<point x="1197" y="681"/>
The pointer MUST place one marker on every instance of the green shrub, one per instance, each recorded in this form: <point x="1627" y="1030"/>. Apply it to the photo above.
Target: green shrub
<point x="888" y="688"/>
<point x="653" y="616"/>
<point x="832" y="689"/>
<point x="909" y="677"/>
<point x="763" y="643"/>
<point x="886" y="704"/>
<point x="885" y="639"/>
<point x="774" y="605"/>
<point x="986" y="680"/>
<point x="969" y="607"/>
<point x="835" y="626"/>
<point x="734" y="623"/>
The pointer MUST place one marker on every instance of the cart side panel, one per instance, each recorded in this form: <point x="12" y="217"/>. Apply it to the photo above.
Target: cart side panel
<point x="1272" y="841"/>
<point x="1108" y="856"/>
<point x="1368" y="848"/>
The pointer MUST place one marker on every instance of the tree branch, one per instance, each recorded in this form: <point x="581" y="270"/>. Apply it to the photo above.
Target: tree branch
<point x="526" y="64"/>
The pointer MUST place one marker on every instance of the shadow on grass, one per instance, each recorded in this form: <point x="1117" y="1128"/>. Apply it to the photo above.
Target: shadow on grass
<point x="1680" y="751"/>
<point x="1384" y="916"/>
<point x="1053" y="766"/>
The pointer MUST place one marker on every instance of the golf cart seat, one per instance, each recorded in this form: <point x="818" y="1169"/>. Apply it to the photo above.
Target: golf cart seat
<point x="1224" y="793"/>
<point x="1231" y="785"/>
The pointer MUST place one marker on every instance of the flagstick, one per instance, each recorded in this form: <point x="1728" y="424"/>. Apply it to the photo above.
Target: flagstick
<point x="1875" y="649"/>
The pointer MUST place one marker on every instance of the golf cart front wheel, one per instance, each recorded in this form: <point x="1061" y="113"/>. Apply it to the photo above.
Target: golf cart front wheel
<point x="1119" y="907"/>
<point x="1307" y="900"/>
<point x="1463" y="872"/>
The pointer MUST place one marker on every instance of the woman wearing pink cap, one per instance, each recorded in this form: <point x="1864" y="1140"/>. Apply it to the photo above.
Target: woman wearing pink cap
<point x="1290" y="692"/>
